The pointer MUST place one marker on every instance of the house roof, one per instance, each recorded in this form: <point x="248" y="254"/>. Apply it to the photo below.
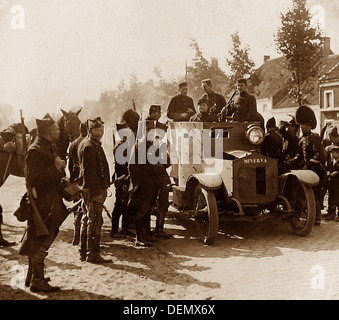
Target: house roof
<point x="331" y="75"/>
<point x="274" y="77"/>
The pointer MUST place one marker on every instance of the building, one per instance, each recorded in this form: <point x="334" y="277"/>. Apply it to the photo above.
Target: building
<point x="273" y="98"/>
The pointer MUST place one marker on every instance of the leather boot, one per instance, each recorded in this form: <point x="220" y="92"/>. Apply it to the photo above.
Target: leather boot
<point x="159" y="227"/>
<point x="39" y="284"/>
<point x="76" y="236"/>
<point x="140" y="240"/>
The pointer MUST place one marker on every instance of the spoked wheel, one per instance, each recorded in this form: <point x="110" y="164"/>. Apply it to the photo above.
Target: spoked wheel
<point x="206" y="215"/>
<point x="302" y="201"/>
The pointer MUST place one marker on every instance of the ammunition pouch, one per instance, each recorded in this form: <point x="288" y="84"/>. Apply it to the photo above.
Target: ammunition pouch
<point x="24" y="211"/>
<point x="71" y="191"/>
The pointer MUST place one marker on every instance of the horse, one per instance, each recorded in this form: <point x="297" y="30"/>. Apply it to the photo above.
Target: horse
<point x="12" y="163"/>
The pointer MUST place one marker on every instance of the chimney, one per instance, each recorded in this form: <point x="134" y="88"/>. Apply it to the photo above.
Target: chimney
<point x="266" y="58"/>
<point x="214" y="62"/>
<point x="326" y="46"/>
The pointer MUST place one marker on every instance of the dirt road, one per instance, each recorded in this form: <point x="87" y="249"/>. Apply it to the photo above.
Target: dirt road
<point x="249" y="261"/>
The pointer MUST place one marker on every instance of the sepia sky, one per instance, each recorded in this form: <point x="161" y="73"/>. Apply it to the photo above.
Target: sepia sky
<point x="71" y="50"/>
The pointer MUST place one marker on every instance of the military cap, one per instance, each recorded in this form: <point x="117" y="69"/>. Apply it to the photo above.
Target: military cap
<point x="94" y="123"/>
<point x="121" y="126"/>
<point x="207" y="81"/>
<point x="131" y="117"/>
<point x="242" y="80"/>
<point x="202" y="100"/>
<point x="305" y="115"/>
<point x="271" y="123"/>
<point x="182" y="84"/>
<point x="154" y="107"/>
<point x="333" y="131"/>
<point x="45" y="122"/>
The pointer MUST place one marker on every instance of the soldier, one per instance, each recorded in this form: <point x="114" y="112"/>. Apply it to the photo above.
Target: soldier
<point x="204" y="114"/>
<point x="131" y="119"/>
<point x="121" y="186"/>
<point x="245" y="105"/>
<point x="96" y="180"/>
<point x="311" y="153"/>
<point x="215" y="100"/>
<point x="333" y="181"/>
<point x="44" y="172"/>
<point x="3" y="242"/>
<point x="289" y="131"/>
<point x="181" y="106"/>
<point x="273" y="143"/>
<point x="143" y="191"/>
<point x="74" y="169"/>
<point x="161" y="178"/>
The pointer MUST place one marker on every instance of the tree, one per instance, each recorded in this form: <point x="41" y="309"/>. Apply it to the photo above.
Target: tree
<point x="202" y="69"/>
<point x="241" y="65"/>
<point x="300" y="43"/>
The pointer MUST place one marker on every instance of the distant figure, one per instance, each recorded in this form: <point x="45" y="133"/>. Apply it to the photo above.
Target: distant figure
<point x="181" y="106"/>
<point x="333" y="182"/>
<point x="289" y="131"/>
<point x="204" y="114"/>
<point x="273" y="143"/>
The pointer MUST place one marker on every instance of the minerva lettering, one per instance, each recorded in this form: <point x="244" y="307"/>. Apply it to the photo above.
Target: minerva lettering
<point x="255" y="160"/>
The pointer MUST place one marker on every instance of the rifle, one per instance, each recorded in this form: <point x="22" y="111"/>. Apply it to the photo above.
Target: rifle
<point x="133" y="104"/>
<point x="224" y="110"/>
<point x="40" y="227"/>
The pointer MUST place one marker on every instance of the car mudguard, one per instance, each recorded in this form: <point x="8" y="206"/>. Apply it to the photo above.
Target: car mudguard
<point x="208" y="180"/>
<point x="307" y="177"/>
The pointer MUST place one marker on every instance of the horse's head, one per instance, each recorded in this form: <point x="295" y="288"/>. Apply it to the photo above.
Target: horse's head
<point x="71" y="124"/>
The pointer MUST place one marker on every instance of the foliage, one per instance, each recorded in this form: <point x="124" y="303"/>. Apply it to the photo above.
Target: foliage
<point x="241" y="65"/>
<point x="202" y="69"/>
<point x="300" y="43"/>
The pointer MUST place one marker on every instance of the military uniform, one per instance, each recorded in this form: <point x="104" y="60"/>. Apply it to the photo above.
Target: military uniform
<point x="45" y="179"/>
<point x="178" y="106"/>
<point x="214" y="100"/>
<point x="311" y="155"/>
<point x="244" y="108"/>
<point x="143" y="195"/>
<point x="96" y="180"/>
<point x="121" y="196"/>
<point x="333" y="187"/>
<point x="272" y="147"/>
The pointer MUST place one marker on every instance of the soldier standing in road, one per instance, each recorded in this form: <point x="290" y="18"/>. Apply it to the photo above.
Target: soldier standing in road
<point x="96" y="180"/>
<point x="74" y="170"/>
<point x="161" y="178"/>
<point x="44" y="172"/>
<point x="181" y="106"/>
<point x="333" y="182"/>
<point x="311" y="153"/>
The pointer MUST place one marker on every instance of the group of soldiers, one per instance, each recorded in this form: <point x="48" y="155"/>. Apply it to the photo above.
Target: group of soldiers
<point x="142" y="188"/>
